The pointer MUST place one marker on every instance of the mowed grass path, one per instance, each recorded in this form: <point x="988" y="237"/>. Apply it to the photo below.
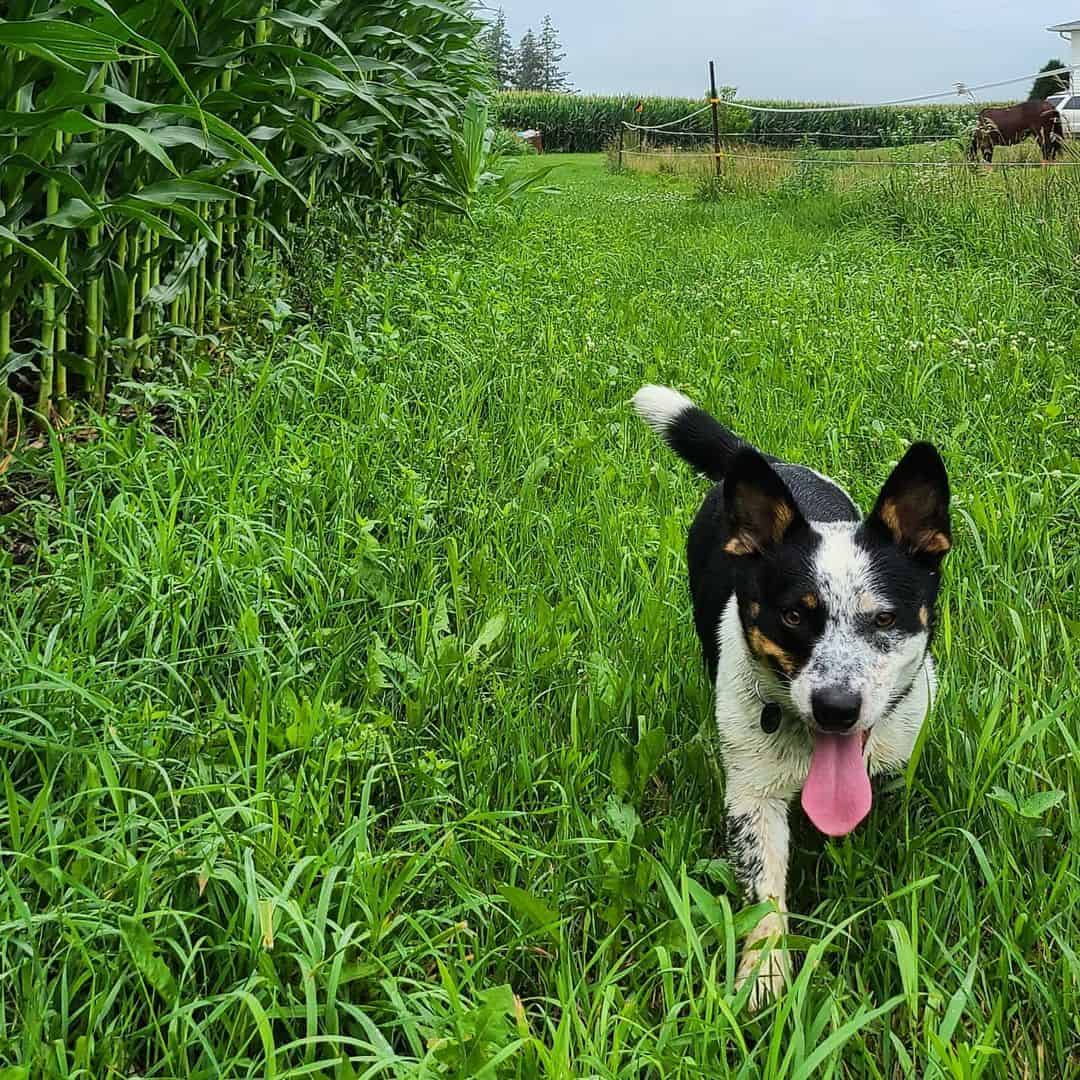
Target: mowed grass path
<point x="354" y="731"/>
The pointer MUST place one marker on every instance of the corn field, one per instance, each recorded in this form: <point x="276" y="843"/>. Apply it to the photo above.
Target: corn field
<point x="589" y="123"/>
<point x="151" y="151"/>
<point x="586" y="123"/>
<point x="881" y="126"/>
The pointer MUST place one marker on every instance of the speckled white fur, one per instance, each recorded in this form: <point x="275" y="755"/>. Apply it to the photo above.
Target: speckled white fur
<point x="844" y="657"/>
<point x="776" y="766"/>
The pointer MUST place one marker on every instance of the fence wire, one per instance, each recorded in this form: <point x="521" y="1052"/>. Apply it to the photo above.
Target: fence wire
<point x="865" y="162"/>
<point x="879" y="137"/>
<point x="670" y="123"/>
<point x="959" y="90"/>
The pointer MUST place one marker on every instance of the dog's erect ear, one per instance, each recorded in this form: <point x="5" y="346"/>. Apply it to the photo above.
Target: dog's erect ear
<point x="759" y="507"/>
<point x="913" y="507"/>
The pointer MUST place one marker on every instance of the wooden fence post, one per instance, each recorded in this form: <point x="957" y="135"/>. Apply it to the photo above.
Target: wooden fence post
<point x="715" y="101"/>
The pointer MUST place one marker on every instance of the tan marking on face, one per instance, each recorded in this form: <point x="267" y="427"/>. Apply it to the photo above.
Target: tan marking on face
<point x="867" y="603"/>
<point x="755" y="609"/>
<point x="767" y="649"/>
<point x="810" y="600"/>
<point x="924" y="616"/>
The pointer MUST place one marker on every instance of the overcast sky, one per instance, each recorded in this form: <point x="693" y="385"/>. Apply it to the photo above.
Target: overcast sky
<point x="824" y="50"/>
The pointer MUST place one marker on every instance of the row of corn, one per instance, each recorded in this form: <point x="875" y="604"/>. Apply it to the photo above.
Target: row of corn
<point x="149" y="151"/>
<point x="590" y="123"/>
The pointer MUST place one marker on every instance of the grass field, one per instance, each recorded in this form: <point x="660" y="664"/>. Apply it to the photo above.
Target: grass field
<point x="758" y="166"/>
<point x="350" y="726"/>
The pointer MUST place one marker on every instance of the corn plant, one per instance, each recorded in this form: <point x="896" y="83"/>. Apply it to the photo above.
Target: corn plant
<point x="873" y="127"/>
<point x="468" y="167"/>
<point x="150" y="151"/>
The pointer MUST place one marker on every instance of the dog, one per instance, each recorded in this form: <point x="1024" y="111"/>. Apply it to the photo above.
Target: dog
<point x="815" y="625"/>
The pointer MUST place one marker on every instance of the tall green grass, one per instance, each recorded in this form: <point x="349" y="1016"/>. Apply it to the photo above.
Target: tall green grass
<point x="149" y="150"/>
<point x="351" y="730"/>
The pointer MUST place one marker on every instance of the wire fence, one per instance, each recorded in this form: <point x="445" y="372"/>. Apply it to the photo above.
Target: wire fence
<point x="860" y="162"/>
<point x="884" y="139"/>
<point x="757" y="134"/>
<point x="958" y="90"/>
<point x="670" y="123"/>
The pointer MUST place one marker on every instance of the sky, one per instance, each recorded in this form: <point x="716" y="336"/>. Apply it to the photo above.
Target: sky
<point x="820" y="50"/>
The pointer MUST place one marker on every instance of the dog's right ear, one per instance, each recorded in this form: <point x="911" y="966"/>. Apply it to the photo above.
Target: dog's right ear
<point x="759" y="506"/>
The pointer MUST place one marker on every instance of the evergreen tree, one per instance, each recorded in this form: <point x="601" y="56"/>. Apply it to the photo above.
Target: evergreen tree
<point x="551" y="58"/>
<point x="498" y="50"/>
<point x="1045" y="85"/>
<point x="529" y="64"/>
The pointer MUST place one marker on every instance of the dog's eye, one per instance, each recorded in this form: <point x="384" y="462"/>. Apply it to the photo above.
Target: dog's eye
<point x="884" y="619"/>
<point x="791" y="617"/>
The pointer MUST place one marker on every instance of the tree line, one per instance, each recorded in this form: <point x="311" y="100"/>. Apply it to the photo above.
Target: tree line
<point x="534" y="64"/>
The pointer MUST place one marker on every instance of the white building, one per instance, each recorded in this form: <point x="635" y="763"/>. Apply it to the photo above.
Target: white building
<point x="1071" y="30"/>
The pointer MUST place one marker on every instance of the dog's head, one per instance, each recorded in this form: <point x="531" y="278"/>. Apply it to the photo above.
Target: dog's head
<point x="842" y="612"/>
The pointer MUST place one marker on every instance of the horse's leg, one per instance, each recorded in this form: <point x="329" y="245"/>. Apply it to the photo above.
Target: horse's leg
<point x="1053" y="147"/>
<point x="1045" y="140"/>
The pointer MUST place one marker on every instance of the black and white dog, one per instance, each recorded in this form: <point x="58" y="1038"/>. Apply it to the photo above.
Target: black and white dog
<point x="816" y="627"/>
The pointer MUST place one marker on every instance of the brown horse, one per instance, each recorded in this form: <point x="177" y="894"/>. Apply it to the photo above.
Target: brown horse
<point x="1006" y="127"/>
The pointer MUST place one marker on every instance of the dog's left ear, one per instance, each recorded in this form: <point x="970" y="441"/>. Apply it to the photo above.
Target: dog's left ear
<point x="913" y="507"/>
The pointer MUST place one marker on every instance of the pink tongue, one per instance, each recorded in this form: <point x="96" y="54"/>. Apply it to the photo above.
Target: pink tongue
<point x="837" y="795"/>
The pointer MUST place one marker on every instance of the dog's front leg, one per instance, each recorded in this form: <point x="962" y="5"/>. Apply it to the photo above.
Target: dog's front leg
<point x="758" y="839"/>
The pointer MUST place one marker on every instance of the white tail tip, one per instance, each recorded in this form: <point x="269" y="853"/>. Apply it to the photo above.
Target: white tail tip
<point x="660" y="406"/>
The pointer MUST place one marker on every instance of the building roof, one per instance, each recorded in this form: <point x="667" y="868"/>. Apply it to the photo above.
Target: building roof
<point x="1065" y="27"/>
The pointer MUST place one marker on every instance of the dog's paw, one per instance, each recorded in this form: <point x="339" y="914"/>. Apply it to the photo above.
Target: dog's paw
<point x="765" y="964"/>
<point x="768" y="981"/>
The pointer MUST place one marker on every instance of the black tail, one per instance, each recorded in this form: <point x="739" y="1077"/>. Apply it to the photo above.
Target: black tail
<point x="691" y="432"/>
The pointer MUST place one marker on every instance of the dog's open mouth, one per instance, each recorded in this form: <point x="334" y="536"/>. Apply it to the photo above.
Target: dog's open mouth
<point x="837" y="793"/>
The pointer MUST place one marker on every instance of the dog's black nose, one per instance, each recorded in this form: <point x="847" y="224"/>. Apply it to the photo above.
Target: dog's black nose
<point x="835" y="709"/>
